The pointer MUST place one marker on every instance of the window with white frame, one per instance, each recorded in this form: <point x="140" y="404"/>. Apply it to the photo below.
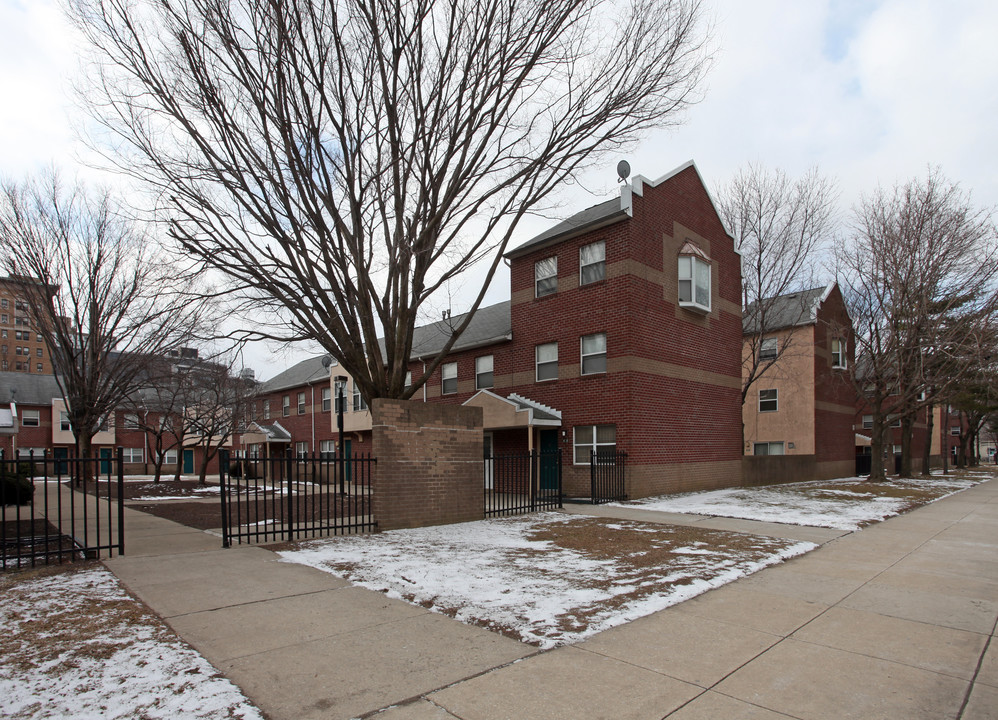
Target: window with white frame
<point x="266" y="409"/>
<point x="483" y="372"/>
<point x="594" y="438"/>
<point x="954" y="430"/>
<point x="23" y="453"/>
<point x="169" y="457"/>
<point x="301" y="450"/>
<point x="133" y="455"/>
<point x="64" y="423"/>
<point x="38" y="367"/>
<point x="301" y="403"/>
<point x="838" y="353"/>
<point x="546" y="359"/>
<point x="327" y="399"/>
<point x="546" y="276"/>
<point x="131" y="421"/>
<point x="286" y="405"/>
<point x="592" y="263"/>
<point x="327" y="449"/>
<point x="895" y="422"/>
<point x="767" y="448"/>
<point x="768" y="349"/>
<point x="594" y="354"/>
<point x="339" y="396"/>
<point x="867" y="422"/>
<point x="30" y="418"/>
<point x="408" y="379"/>
<point x="769" y="400"/>
<point x="358" y="399"/>
<point x="694" y="283"/>
<point x="448" y="378"/>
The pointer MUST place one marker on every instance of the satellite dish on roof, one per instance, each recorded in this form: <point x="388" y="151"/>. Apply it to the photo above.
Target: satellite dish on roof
<point x="327" y="360"/>
<point x="623" y="170"/>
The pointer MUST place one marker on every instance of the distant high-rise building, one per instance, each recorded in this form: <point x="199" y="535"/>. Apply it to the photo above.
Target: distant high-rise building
<point x="22" y="346"/>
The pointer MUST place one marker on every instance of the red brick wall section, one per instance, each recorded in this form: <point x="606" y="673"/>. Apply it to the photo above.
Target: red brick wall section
<point x="429" y="463"/>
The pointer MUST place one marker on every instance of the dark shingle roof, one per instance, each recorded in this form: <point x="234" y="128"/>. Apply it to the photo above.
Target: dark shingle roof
<point x="597" y="215"/>
<point x="305" y="372"/>
<point x="791" y="310"/>
<point x="489" y="325"/>
<point x="31" y="389"/>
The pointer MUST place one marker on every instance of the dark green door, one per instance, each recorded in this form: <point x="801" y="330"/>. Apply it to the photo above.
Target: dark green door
<point x="105" y="460"/>
<point x="188" y="462"/>
<point x="549" y="461"/>
<point x="60" y="455"/>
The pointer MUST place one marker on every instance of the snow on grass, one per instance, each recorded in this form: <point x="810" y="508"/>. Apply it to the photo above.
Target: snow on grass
<point x="548" y="578"/>
<point x="76" y="645"/>
<point x="845" y="504"/>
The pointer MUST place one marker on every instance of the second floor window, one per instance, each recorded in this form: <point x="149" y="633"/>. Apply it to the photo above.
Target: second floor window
<point x="30" y="418"/>
<point x="301" y="403"/>
<point x="266" y="409"/>
<point x="339" y="393"/>
<point x="592" y="263"/>
<point x="448" y="378"/>
<point x="358" y="399"/>
<point x="483" y="372"/>
<point x="838" y="353"/>
<point x="768" y="400"/>
<point x="546" y="357"/>
<point x="546" y="276"/>
<point x="694" y="283"/>
<point x="594" y="354"/>
<point x="286" y="405"/>
<point x="131" y="421"/>
<point x="64" y="423"/>
<point x="327" y="399"/>
<point x="768" y="349"/>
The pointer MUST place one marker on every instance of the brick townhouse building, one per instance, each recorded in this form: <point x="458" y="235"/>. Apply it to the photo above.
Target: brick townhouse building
<point x="22" y="347"/>
<point x="804" y="404"/>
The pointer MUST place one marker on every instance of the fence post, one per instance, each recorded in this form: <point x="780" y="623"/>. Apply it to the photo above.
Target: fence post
<point x="289" y="521"/>
<point x="223" y="488"/>
<point x="560" y="487"/>
<point x="121" y="501"/>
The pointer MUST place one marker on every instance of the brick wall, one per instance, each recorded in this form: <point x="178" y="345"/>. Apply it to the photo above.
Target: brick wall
<point x="834" y="393"/>
<point x="429" y="469"/>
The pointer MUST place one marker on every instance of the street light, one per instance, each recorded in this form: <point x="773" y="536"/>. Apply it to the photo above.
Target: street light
<point x="340" y="383"/>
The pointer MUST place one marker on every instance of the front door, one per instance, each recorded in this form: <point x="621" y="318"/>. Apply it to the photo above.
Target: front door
<point x="60" y="455"/>
<point x="188" y="462"/>
<point x="549" y="461"/>
<point x="105" y="460"/>
<point x="487" y="453"/>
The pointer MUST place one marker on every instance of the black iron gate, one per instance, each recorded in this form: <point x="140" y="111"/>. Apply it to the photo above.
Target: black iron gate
<point x="293" y="497"/>
<point x="55" y="510"/>
<point x="517" y="483"/>
<point x="607" y="469"/>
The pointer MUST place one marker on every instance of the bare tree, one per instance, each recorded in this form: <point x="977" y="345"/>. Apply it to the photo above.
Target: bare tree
<point x="340" y="162"/>
<point x="780" y="225"/>
<point x="920" y="272"/>
<point x="99" y="294"/>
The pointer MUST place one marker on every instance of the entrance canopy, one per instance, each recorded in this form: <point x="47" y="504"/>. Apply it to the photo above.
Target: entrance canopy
<point x="513" y="411"/>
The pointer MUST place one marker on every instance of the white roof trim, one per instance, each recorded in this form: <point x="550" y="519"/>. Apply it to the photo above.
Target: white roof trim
<point x="821" y="300"/>
<point x="540" y="406"/>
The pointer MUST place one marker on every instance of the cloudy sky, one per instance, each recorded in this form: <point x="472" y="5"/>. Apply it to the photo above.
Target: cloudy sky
<point x="872" y="93"/>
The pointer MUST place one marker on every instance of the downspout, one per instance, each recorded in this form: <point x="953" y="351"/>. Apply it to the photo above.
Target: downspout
<point x="424" y="384"/>
<point x="311" y="389"/>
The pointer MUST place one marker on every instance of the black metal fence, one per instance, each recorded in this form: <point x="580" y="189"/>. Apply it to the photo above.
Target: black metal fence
<point x="607" y="472"/>
<point x="295" y="497"/>
<point x="58" y="510"/>
<point x="517" y="483"/>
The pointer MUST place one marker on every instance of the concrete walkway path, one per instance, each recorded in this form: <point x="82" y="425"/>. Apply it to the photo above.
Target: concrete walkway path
<point x="895" y="621"/>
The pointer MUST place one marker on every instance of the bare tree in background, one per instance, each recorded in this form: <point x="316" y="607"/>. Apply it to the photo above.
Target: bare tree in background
<point x="341" y="161"/>
<point x="780" y="225"/>
<point x="919" y="275"/>
<point x="100" y="293"/>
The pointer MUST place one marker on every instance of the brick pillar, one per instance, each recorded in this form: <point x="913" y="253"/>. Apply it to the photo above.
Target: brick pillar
<point x="430" y="468"/>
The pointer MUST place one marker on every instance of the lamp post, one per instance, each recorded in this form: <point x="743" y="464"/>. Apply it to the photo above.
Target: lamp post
<point x="340" y="385"/>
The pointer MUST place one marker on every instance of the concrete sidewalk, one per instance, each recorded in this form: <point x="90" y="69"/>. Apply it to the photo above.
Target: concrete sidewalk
<point x="895" y="621"/>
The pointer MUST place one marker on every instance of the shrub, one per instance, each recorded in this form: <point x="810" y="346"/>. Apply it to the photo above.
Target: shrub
<point x="236" y="469"/>
<point x="16" y="487"/>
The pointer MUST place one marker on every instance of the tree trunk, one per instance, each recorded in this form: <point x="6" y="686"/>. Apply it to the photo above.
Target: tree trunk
<point x="203" y="473"/>
<point x="877" y="473"/>
<point x="907" y="428"/>
<point x="927" y="450"/>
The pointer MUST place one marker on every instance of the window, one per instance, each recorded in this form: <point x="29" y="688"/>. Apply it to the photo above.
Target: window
<point x="867" y="422"/>
<point x="30" y="418"/>
<point x="17" y="349"/>
<point x="769" y="349"/>
<point x="38" y="352"/>
<point x="339" y="393"/>
<point x="40" y="338"/>
<point x="954" y="430"/>
<point x="327" y="399"/>
<point x="327" y="449"/>
<point x="592" y="263"/>
<point x="64" y="423"/>
<point x="105" y="424"/>
<point x="768" y="401"/>
<point x="266" y="409"/>
<point x="301" y="450"/>
<point x="131" y="421"/>
<point x="3" y="364"/>
<point x="448" y="378"/>
<point x="169" y="457"/>
<point x="4" y="303"/>
<point x="301" y="403"/>
<point x="133" y="455"/>
<point x="408" y="379"/>
<point x="3" y="319"/>
<point x="4" y="350"/>
<point x="17" y="335"/>
<point x="546" y="359"/>
<point x="286" y="405"/>
<point x="3" y="333"/>
<point x="594" y="354"/>
<point x="25" y="453"/>
<point x="838" y="353"/>
<point x="594" y="438"/>
<point x="39" y="367"/>
<point x="483" y="372"/>
<point x="546" y="276"/>
<point x="358" y="399"/>
<point x="767" y="448"/>
<point x="694" y="283"/>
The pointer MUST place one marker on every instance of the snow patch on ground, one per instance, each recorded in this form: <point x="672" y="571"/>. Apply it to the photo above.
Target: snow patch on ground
<point x="504" y="574"/>
<point x="76" y="645"/>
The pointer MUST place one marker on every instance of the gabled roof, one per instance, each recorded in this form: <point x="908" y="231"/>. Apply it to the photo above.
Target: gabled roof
<point x="31" y="389"/>
<point x="307" y="372"/>
<point x="488" y="326"/>
<point x="275" y="432"/>
<point x="791" y="310"/>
